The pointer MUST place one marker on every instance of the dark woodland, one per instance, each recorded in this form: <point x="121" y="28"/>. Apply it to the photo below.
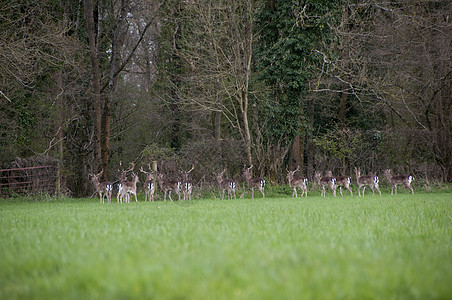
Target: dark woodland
<point x="93" y="86"/>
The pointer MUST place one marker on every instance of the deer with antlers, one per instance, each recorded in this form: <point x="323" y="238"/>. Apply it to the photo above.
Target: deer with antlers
<point x="370" y="180"/>
<point x="226" y="185"/>
<point x="168" y="186"/>
<point x="187" y="185"/>
<point x="254" y="182"/>
<point x="394" y="180"/>
<point x="342" y="181"/>
<point x="326" y="181"/>
<point x="104" y="189"/>
<point x="300" y="182"/>
<point x="130" y="188"/>
<point x="122" y="180"/>
<point x="149" y="186"/>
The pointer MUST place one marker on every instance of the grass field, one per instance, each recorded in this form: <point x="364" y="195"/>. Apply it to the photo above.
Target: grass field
<point x="274" y="248"/>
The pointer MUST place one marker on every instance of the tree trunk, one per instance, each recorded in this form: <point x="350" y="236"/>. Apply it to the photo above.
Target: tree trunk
<point x="90" y="29"/>
<point x="295" y="153"/>
<point x="119" y="35"/>
<point x="106" y="135"/>
<point x="217" y="126"/>
<point x="245" y="94"/>
<point x="247" y="137"/>
<point x="59" y="129"/>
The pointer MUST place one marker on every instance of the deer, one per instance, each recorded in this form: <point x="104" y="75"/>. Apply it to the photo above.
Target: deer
<point x="122" y="180"/>
<point x="254" y="182"/>
<point x="300" y="182"/>
<point x="342" y="181"/>
<point x="394" y="180"/>
<point x="370" y="180"/>
<point x="102" y="188"/>
<point x="226" y="184"/>
<point x="326" y="181"/>
<point x="130" y="187"/>
<point x="149" y="186"/>
<point x="187" y="185"/>
<point x="168" y="186"/>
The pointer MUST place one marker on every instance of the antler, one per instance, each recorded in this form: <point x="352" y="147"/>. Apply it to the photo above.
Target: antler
<point x="96" y="175"/>
<point x="192" y="167"/>
<point x="132" y="164"/>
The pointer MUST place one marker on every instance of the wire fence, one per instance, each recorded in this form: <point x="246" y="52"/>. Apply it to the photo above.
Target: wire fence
<point x="28" y="181"/>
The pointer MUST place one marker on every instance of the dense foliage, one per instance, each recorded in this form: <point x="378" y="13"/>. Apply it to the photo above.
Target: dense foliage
<point x="327" y="85"/>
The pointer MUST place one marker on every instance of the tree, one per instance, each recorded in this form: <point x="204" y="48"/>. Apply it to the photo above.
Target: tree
<point x="212" y="42"/>
<point x="398" y="55"/>
<point x="289" y="34"/>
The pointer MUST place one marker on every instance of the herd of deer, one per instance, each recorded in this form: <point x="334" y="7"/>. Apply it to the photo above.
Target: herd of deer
<point x="126" y="188"/>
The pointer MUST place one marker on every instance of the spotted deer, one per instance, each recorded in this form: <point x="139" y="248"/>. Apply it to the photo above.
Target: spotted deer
<point x="129" y="188"/>
<point x="326" y="181"/>
<point x="370" y="180"/>
<point x="394" y="180"/>
<point x="104" y="189"/>
<point x="187" y="185"/>
<point x="300" y="182"/>
<point x="254" y="182"/>
<point x="149" y="185"/>
<point x="122" y="180"/>
<point x="168" y="186"/>
<point x="342" y="181"/>
<point x="226" y="185"/>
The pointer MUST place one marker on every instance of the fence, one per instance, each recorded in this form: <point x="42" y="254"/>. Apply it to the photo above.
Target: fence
<point x="26" y="181"/>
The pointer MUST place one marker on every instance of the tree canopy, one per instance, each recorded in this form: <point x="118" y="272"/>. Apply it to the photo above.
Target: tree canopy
<point x="324" y="85"/>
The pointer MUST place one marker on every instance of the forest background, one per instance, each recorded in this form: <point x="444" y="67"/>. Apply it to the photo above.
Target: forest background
<point x="324" y="85"/>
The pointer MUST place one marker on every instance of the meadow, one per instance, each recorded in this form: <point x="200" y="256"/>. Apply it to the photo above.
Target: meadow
<point x="274" y="248"/>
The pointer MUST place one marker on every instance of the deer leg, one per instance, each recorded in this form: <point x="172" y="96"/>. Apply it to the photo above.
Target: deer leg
<point x="373" y="190"/>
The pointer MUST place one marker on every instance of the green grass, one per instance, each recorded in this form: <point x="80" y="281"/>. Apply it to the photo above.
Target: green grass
<point x="274" y="248"/>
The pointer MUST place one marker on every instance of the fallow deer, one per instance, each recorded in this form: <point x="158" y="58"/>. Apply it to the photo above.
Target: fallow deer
<point x="104" y="189"/>
<point x="226" y="185"/>
<point x="394" y="180"/>
<point x="168" y="186"/>
<point x="300" y="182"/>
<point x="129" y="188"/>
<point x="187" y="185"/>
<point x="254" y="182"/>
<point x="122" y="180"/>
<point x="149" y="185"/>
<point x="326" y="181"/>
<point x="342" y="181"/>
<point x="370" y="180"/>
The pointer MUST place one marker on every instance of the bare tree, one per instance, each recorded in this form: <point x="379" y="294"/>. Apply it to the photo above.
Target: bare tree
<point x="214" y="42"/>
<point x="399" y="55"/>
